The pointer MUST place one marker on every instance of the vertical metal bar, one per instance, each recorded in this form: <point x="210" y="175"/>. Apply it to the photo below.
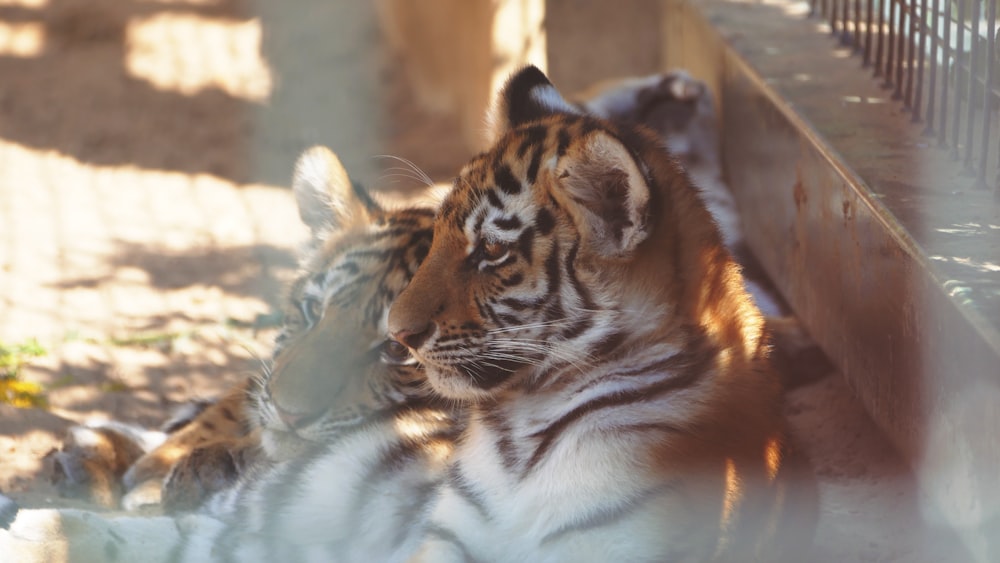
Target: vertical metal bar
<point x="880" y="45"/>
<point x="832" y="16"/>
<point x="970" y="102"/>
<point x="900" y="50"/>
<point x="945" y="67"/>
<point x="857" y="26"/>
<point x="911" y="46"/>
<point x="959" y="50"/>
<point x="932" y="87"/>
<point x="869" y="16"/>
<point x="845" y="16"/>
<point x="890" y="45"/>
<point x="920" y="28"/>
<point x="991" y="22"/>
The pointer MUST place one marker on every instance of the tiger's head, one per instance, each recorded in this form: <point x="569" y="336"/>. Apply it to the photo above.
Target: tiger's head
<point x="568" y="241"/>
<point x="333" y="366"/>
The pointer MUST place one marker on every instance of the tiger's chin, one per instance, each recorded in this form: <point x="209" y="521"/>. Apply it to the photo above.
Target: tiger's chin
<point x="280" y="445"/>
<point x="471" y="383"/>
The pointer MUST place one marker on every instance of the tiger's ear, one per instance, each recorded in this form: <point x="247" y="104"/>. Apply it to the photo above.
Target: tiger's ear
<point x="609" y="192"/>
<point x="326" y="197"/>
<point x="528" y="95"/>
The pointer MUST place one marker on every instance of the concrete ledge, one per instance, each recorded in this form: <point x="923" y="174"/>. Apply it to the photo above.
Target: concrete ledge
<point x="870" y="232"/>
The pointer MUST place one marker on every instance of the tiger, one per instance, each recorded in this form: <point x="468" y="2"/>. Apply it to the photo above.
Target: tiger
<point x="207" y="444"/>
<point x="353" y="442"/>
<point x="578" y="300"/>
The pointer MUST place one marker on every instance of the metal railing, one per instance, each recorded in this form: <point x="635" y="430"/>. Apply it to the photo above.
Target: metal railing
<point x="939" y="59"/>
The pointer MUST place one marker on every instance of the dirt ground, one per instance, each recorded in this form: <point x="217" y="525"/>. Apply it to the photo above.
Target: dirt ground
<point x="146" y="230"/>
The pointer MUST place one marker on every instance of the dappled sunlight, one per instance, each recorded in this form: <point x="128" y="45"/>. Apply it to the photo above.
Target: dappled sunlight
<point x="789" y="7"/>
<point x="24" y="3"/>
<point x="184" y="2"/>
<point x="22" y="464"/>
<point x="188" y="54"/>
<point x="734" y="493"/>
<point x="772" y="457"/>
<point x="863" y="100"/>
<point x="518" y="39"/>
<point x="21" y="39"/>
<point x="139" y="284"/>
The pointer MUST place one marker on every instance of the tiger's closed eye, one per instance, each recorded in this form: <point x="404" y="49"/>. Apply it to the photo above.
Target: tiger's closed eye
<point x="315" y="309"/>
<point x="394" y="353"/>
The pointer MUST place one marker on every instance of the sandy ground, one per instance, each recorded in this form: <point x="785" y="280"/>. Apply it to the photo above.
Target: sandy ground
<point x="145" y="230"/>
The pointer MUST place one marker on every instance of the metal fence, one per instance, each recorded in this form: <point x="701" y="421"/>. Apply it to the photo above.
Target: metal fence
<point x="939" y="59"/>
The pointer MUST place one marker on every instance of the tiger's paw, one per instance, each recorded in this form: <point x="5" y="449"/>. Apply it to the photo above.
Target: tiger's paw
<point x="206" y="470"/>
<point x="93" y="458"/>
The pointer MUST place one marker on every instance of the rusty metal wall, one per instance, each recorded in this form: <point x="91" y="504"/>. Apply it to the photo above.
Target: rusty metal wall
<point x="875" y="236"/>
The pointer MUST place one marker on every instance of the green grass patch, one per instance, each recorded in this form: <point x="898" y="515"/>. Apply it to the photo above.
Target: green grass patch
<point x="13" y="391"/>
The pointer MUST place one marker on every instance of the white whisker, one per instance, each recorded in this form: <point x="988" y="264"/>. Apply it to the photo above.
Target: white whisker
<point x="421" y="175"/>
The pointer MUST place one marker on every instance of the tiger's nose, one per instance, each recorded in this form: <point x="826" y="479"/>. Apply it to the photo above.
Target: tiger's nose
<point x="296" y="421"/>
<point x="413" y="338"/>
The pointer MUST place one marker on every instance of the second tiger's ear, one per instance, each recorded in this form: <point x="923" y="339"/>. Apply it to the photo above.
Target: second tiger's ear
<point x="326" y="197"/>
<point x="527" y="96"/>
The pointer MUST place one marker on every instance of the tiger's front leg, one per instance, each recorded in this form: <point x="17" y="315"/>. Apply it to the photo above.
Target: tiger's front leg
<point x="222" y="427"/>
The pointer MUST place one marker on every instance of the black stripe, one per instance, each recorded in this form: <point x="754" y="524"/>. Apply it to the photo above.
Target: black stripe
<point x="480" y="218"/>
<point x="609" y="344"/>
<point x="228" y="414"/>
<point x="676" y="362"/>
<point x="581" y="324"/>
<point x="525" y="243"/>
<point x="349" y="267"/>
<point x="536" y="161"/>
<point x="442" y="534"/>
<point x="494" y="200"/>
<point x="520" y="304"/>
<point x="581" y="290"/>
<point x="490" y="313"/>
<point x="563" y="142"/>
<point x="689" y="376"/>
<point x="611" y="514"/>
<point x="552" y="271"/>
<point x="544" y="221"/>
<point x="481" y="307"/>
<point x="497" y="424"/>
<point x="464" y="489"/>
<point x="511" y="223"/>
<point x="413" y="512"/>
<point x="533" y="136"/>
<point x="506" y="181"/>
<point x="513" y="280"/>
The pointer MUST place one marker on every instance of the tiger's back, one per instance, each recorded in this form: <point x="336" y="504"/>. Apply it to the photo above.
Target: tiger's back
<point x="577" y="294"/>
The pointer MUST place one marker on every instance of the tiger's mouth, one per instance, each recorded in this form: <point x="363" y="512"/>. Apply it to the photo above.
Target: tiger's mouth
<point x="470" y="378"/>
